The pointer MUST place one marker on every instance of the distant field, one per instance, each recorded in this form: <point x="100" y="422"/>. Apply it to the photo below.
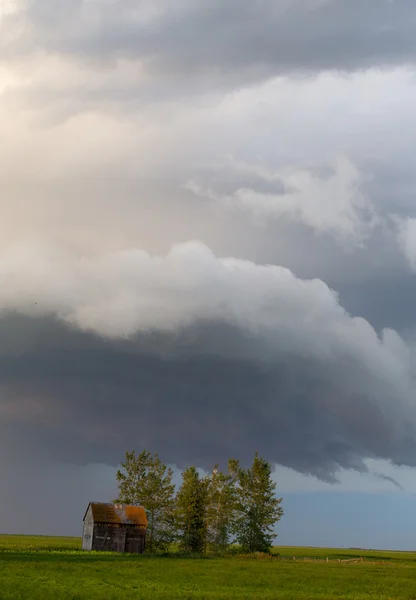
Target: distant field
<point x="46" y="567"/>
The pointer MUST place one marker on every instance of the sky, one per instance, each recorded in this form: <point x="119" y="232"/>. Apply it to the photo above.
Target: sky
<point x="207" y="249"/>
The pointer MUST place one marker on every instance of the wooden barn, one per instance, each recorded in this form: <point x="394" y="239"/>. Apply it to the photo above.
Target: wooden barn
<point x="114" y="527"/>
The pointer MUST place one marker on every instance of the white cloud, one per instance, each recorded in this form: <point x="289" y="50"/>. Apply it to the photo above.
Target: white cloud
<point x="8" y="7"/>
<point x="122" y="293"/>
<point x="332" y="203"/>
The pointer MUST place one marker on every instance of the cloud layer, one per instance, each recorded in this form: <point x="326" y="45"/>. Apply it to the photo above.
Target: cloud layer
<point x="332" y="203"/>
<point x="223" y="353"/>
<point x="229" y="43"/>
<point x="207" y="235"/>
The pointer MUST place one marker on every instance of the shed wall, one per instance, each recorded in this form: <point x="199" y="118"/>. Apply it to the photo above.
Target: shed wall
<point x="118" y="538"/>
<point x="87" y="531"/>
<point x="135" y="541"/>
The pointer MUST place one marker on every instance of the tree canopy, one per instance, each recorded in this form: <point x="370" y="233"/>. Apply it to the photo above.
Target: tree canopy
<point x="208" y="512"/>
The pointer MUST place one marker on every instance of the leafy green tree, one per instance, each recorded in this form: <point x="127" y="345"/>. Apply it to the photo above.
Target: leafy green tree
<point x="191" y="503"/>
<point x="258" y="509"/>
<point x="144" y="480"/>
<point x="221" y="503"/>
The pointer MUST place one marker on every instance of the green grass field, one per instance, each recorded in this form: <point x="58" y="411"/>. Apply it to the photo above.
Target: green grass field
<point x="40" y="567"/>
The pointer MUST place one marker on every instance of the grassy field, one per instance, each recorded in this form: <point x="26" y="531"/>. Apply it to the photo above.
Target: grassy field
<point x="40" y="567"/>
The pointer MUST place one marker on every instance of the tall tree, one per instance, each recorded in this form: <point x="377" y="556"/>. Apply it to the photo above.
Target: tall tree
<point x="258" y="509"/>
<point x="191" y="511"/>
<point x="221" y="502"/>
<point x="145" y="480"/>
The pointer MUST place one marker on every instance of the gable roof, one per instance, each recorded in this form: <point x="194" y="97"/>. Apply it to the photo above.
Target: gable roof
<point x="107" y="512"/>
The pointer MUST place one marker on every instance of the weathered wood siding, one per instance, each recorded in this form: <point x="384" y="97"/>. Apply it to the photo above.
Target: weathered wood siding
<point x="118" y="538"/>
<point x="88" y="531"/>
<point x="135" y="541"/>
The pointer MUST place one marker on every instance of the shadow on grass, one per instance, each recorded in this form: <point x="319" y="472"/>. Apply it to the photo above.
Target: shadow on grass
<point x="91" y="557"/>
<point x="54" y="556"/>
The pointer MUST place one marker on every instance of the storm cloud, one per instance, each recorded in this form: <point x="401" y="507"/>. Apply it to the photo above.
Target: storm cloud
<point x="221" y="41"/>
<point x="225" y="355"/>
<point x="207" y="240"/>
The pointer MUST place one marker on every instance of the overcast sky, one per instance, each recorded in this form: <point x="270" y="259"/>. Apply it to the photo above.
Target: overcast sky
<point x="208" y="248"/>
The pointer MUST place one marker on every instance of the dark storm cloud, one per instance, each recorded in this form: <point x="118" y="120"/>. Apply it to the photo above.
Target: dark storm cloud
<point x="112" y="337"/>
<point x="222" y="40"/>
<point x="71" y="397"/>
<point x="387" y="301"/>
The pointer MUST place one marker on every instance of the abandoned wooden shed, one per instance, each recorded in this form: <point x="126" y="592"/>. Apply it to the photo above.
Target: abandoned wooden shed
<point x="114" y="527"/>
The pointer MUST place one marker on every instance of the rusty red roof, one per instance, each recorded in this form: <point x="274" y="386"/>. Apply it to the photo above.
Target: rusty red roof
<point x="107" y="512"/>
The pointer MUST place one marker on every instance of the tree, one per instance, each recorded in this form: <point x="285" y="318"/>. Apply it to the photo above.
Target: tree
<point x="191" y="511"/>
<point x="221" y="502"/>
<point x="258" y="509"/>
<point x="146" y="481"/>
